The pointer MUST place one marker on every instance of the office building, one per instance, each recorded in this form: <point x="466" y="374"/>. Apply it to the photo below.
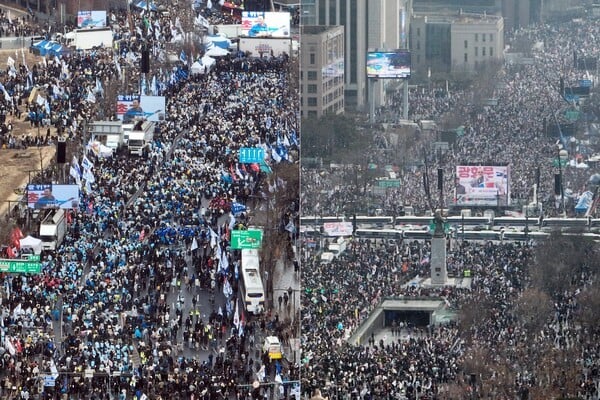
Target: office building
<point x="321" y="70"/>
<point x="455" y="43"/>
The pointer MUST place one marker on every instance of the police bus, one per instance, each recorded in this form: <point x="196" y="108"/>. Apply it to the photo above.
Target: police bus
<point x="252" y="288"/>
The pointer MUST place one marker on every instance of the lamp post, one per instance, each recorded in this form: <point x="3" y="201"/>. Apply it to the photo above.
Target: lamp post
<point x="563" y="155"/>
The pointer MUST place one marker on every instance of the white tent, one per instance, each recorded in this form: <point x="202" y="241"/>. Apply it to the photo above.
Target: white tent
<point x="216" y="51"/>
<point x="30" y="242"/>
<point x="202" y="66"/>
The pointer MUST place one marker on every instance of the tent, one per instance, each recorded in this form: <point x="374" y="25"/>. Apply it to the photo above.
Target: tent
<point x="218" y="40"/>
<point x="199" y="66"/>
<point x="30" y="242"/>
<point x="217" y="52"/>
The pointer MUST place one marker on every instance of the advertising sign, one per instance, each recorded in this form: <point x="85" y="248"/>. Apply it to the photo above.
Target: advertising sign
<point x="246" y="239"/>
<point x="266" y="24"/>
<point x="264" y="47"/>
<point x="135" y="108"/>
<point x="337" y="228"/>
<point x="46" y="196"/>
<point x="91" y="19"/>
<point x="388" y="64"/>
<point x="477" y="185"/>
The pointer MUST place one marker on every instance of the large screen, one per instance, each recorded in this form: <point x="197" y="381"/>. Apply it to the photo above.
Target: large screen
<point x="135" y="108"/>
<point x="477" y="185"/>
<point x="264" y="47"/>
<point x="388" y="64"/>
<point x="52" y="196"/>
<point x="91" y="19"/>
<point x="266" y="24"/>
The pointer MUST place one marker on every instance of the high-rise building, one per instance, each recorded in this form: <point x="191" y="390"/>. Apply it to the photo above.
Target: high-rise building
<point x="322" y="70"/>
<point x="372" y="24"/>
<point x="455" y="42"/>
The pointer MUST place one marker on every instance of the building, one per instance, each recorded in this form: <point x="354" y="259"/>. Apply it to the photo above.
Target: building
<point x="367" y="24"/>
<point x="322" y="70"/>
<point x="455" y="43"/>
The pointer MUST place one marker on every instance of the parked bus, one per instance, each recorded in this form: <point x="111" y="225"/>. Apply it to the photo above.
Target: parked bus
<point x="252" y="288"/>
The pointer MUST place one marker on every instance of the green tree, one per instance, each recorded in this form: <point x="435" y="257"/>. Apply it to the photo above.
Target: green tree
<point x="334" y="137"/>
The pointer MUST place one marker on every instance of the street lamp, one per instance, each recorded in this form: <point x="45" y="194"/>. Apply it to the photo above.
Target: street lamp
<point x="563" y="156"/>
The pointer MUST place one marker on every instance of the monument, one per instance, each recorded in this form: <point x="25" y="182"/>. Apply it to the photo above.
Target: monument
<point x="439" y="273"/>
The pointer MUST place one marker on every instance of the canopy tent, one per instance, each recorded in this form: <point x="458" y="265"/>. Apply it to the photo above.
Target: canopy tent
<point x="29" y="242"/>
<point x="201" y="66"/>
<point x="218" y="40"/>
<point x="47" y="47"/>
<point x="217" y="52"/>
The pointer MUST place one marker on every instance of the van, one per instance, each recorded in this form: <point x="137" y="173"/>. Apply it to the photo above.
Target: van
<point x="327" y="257"/>
<point x="338" y="247"/>
<point x="272" y="346"/>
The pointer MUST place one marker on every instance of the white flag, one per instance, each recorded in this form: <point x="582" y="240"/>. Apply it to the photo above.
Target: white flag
<point x="194" y="244"/>
<point x="236" y="315"/>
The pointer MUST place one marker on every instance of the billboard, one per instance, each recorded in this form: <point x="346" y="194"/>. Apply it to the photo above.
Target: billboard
<point x="264" y="47"/>
<point x="91" y="19"/>
<point x="266" y="24"/>
<point x="135" y="108"/>
<point x="45" y="196"/>
<point x="477" y="185"/>
<point x="338" y="228"/>
<point x="388" y="64"/>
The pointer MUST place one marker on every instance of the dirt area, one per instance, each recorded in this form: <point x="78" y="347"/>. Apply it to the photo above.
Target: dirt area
<point x="15" y="164"/>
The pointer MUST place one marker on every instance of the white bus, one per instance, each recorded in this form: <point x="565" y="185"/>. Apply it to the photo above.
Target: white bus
<point x="252" y="288"/>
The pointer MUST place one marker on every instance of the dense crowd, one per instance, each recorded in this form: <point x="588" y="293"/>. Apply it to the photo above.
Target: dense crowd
<point x="527" y="104"/>
<point x="123" y="295"/>
<point x="445" y="361"/>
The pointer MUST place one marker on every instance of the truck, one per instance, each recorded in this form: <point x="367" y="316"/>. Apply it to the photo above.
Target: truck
<point x="110" y="133"/>
<point x="53" y="229"/>
<point x="140" y="137"/>
<point x="88" y="38"/>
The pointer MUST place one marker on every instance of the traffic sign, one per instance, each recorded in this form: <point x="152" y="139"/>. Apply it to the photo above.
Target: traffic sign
<point x="49" y="381"/>
<point x="33" y="257"/>
<point x="388" y="183"/>
<point x="246" y="239"/>
<point x="20" y="266"/>
<point x="251" y="155"/>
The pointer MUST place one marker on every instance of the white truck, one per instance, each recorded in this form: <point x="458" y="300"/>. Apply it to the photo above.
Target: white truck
<point x="88" y="38"/>
<point x="53" y="229"/>
<point x="109" y="133"/>
<point x="140" y="137"/>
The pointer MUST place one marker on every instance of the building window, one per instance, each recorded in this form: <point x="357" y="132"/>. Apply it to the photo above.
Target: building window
<point x="477" y="37"/>
<point x="311" y="88"/>
<point x="418" y="45"/>
<point x="312" y="101"/>
<point x="491" y="52"/>
<point x="476" y="51"/>
<point x="483" y="51"/>
<point x="418" y="32"/>
<point x="466" y="57"/>
<point x="466" y="44"/>
<point x="483" y="37"/>
<point x="491" y="37"/>
<point x="312" y="59"/>
<point x="312" y="114"/>
<point x="312" y="75"/>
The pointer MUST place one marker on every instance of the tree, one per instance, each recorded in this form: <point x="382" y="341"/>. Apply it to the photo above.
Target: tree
<point x="334" y="137"/>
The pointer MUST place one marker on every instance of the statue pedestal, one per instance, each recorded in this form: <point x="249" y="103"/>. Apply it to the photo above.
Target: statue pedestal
<point x="439" y="273"/>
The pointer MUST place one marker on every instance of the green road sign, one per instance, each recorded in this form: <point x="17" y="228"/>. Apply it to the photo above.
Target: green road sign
<point x="33" y="257"/>
<point x="388" y="183"/>
<point x="20" y="266"/>
<point x="563" y="163"/>
<point x="246" y="239"/>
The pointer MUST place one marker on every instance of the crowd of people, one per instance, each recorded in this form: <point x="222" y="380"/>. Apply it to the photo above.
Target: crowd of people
<point x="144" y="289"/>
<point x="441" y="362"/>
